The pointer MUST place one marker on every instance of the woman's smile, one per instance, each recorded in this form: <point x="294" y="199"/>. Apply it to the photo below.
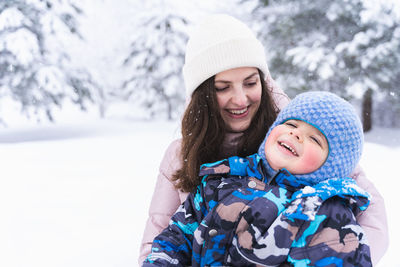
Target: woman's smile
<point x="238" y="113"/>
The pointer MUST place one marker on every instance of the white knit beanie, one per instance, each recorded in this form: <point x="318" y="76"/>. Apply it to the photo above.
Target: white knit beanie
<point x="219" y="43"/>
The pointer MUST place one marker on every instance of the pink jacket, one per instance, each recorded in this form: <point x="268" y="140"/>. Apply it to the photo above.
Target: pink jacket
<point x="166" y="199"/>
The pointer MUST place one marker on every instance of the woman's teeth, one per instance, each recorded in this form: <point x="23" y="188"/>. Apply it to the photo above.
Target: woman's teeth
<point x="288" y="148"/>
<point x="238" y="111"/>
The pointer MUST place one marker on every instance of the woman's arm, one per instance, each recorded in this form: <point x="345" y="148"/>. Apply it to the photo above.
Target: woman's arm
<point x="173" y="246"/>
<point x="165" y="200"/>
<point x="374" y="219"/>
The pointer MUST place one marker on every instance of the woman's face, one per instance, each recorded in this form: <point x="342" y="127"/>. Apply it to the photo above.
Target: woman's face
<point x="239" y="95"/>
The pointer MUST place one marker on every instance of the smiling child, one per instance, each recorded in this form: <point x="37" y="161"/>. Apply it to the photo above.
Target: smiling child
<point x="291" y="204"/>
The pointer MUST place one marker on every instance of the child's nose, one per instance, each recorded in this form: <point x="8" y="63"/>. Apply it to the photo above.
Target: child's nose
<point x="297" y="135"/>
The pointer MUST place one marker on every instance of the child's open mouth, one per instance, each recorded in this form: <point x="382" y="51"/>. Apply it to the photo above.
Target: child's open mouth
<point x="289" y="148"/>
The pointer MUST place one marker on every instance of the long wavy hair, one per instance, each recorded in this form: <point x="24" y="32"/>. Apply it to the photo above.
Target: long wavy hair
<point x="203" y="132"/>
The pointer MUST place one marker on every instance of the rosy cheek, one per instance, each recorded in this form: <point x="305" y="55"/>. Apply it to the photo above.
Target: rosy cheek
<point x="312" y="160"/>
<point x="270" y="153"/>
<point x="222" y="98"/>
<point x="273" y="136"/>
<point x="256" y="95"/>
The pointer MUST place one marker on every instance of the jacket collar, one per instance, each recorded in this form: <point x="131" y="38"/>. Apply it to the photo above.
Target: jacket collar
<point x="252" y="166"/>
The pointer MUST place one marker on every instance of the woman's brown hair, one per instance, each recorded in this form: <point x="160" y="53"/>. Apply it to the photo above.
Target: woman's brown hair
<point x="203" y="132"/>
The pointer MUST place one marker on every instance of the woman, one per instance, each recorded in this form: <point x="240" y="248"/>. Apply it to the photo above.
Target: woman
<point x="233" y="102"/>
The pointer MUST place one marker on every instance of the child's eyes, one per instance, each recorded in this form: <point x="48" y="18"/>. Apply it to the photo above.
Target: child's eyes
<point x="291" y="124"/>
<point x="315" y="140"/>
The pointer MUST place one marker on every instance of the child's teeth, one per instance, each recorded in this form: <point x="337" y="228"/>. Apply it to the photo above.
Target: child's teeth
<point x="289" y="147"/>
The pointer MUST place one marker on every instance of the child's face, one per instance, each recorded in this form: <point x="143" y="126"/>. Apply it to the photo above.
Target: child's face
<point x="296" y="146"/>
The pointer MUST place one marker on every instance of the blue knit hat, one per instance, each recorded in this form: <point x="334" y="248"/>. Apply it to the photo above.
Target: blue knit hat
<point x="337" y="120"/>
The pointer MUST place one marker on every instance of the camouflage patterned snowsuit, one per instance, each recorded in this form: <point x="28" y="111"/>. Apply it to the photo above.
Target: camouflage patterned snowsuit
<point x="236" y="219"/>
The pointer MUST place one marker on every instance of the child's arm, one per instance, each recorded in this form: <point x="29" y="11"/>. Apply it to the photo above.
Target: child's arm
<point x="327" y="232"/>
<point x="333" y="237"/>
<point x="173" y="246"/>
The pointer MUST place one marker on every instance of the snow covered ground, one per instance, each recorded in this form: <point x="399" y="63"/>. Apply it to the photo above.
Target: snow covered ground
<point x="77" y="193"/>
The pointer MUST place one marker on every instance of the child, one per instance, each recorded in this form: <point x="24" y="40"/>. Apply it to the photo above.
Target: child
<point x="291" y="203"/>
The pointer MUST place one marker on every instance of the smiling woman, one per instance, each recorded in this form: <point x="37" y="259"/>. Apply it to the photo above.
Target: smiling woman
<point x="232" y="102"/>
<point x="238" y="96"/>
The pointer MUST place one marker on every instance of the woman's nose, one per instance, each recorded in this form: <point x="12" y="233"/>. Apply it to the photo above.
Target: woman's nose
<point x="239" y="97"/>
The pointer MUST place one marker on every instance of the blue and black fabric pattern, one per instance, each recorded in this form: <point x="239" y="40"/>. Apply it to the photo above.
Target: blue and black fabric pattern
<point x="239" y="218"/>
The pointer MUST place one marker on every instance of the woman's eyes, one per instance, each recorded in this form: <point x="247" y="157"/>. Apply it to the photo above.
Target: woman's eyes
<point x="221" y="89"/>
<point x="250" y="84"/>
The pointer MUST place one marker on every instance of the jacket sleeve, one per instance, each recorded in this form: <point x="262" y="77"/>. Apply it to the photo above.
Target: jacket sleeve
<point x="332" y="237"/>
<point x="174" y="245"/>
<point x="373" y="220"/>
<point x="165" y="200"/>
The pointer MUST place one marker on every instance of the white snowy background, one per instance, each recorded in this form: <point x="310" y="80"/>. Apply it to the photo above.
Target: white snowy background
<point x="76" y="192"/>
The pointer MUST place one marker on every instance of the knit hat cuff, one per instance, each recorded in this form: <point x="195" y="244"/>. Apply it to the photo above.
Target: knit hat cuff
<point x="236" y="53"/>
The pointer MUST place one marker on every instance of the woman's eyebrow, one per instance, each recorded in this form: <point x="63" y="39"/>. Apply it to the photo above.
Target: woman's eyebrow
<point x="222" y="81"/>
<point x="251" y="76"/>
<point x="248" y="77"/>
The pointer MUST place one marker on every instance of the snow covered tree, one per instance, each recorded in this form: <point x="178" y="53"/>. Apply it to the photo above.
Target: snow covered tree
<point x="35" y="68"/>
<point x="350" y="47"/>
<point x="156" y="59"/>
